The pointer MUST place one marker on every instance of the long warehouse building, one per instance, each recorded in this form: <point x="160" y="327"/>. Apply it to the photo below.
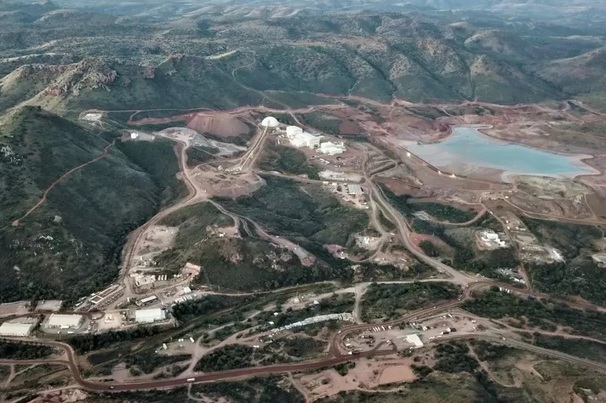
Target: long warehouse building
<point x="64" y="321"/>
<point x="149" y="315"/>
<point x="16" y="329"/>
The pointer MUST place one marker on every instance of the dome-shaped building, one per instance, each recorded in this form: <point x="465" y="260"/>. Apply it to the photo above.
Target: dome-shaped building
<point x="270" y="121"/>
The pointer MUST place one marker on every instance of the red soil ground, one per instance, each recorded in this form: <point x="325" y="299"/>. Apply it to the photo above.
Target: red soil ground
<point x="222" y="125"/>
<point x="349" y="127"/>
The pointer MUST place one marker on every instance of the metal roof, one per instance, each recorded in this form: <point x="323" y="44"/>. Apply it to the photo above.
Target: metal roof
<point x="58" y="320"/>
<point x="15" y="329"/>
<point x="149" y="315"/>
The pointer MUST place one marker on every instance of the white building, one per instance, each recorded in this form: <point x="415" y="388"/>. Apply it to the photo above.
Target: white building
<point x="491" y="240"/>
<point x="16" y="329"/>
<point x="149" y="315"/>
<point x="64" y="321"/>
<point x="330" y="148"/>
<point x="414" y="339"/>
<point x="147" y="300"/>
<point x="300" y="138"/>
<point x="270" y="122"/>
<point x="354" y="189"/>
<point x="134" y="135"/>
<point x="142" y="280"/>
<point x="292" y="131"/>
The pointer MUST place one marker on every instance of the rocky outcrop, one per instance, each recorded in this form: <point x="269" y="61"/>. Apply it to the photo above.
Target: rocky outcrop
<point x="88" y="74"/>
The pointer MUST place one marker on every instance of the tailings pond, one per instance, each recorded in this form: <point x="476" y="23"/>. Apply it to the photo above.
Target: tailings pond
<point x="466" y="151"/>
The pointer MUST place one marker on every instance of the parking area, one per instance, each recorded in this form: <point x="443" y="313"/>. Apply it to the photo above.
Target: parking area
<point x="110" y="321"/>
<point x="415" y="334"/>
<point x="403" y="338"/>
<point x="14" y="308"/>
<point x="439" y="326"/>
<point x="49" y="305"/>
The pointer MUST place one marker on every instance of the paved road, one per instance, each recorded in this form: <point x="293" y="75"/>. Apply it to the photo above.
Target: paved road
<point x="247" y="161"/>
<point x="337" y="338"/>
<point x="336" y="356"/>
<point x="70" y="361"/>
<point x="194" y="195"/>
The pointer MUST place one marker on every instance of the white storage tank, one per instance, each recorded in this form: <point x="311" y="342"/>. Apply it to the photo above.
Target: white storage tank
<point x="270" y="122"/>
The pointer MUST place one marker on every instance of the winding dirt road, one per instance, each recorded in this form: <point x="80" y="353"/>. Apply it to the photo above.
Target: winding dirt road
<point x="195" y="195"/>
<point x="336" y="356"/>
<point x="376" y="194"/>
<point x="56" y="182"/>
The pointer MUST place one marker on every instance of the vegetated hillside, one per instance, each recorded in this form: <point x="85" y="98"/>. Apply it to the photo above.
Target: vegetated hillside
<point x="300" y="211"/>
<point x="30" y="9"/>
<point x="201" y="62"/>
<point x="542" y="10"/>
<point x="26" y="82"/>
<point x="69" y="245"/>
<point x="178" y="82"/>
<point x="581" y="74"/>
<point x="579" y="275"/>
<point x="244" y="263"/>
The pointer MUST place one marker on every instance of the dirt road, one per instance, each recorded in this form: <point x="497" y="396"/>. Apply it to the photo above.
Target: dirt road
<point x="376" y="194"/>
<point x="195" y="195"/>
<point x="62" y="177"/>
<point x="247" y="161"/>
<point x="335" y="355"/>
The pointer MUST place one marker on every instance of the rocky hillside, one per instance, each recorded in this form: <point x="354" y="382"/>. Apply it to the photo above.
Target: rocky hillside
<point x="205" y="63"/>
<point x="581" y="74"/>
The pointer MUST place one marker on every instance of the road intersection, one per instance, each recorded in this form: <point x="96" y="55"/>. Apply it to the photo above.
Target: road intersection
<point x="336" y="353"/>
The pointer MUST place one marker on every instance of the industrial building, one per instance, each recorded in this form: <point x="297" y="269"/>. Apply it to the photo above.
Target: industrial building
<point x="489" y="240"/>
<point x="300" y="138"/>
<point x="16" y="329"/>
<point x="330" y="148"/>
<point x="142" y="280"/>
<point x="414" y="339"/>
<point x="147" y="300"/>
<point x="64" y="321"/>
<point x="292" y="131"/>
<point x="599" y="259"/>
<point x="270" y="122"/>
<point x="149" y="315"/>
<point x="354" y="189"/>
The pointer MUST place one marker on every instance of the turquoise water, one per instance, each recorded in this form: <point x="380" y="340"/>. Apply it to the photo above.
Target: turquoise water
<point x="467" y="146"/>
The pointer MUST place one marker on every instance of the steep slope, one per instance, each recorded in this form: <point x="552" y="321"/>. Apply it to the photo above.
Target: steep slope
<point x="428" y="70"/>
<point x="26" y="82"/>
<point x="69" y="245"/>
<point x="582" y="74"/>
<point x="505" y="84"/>
<point x="179" y="82"/>
<point x="208" y="63"/>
